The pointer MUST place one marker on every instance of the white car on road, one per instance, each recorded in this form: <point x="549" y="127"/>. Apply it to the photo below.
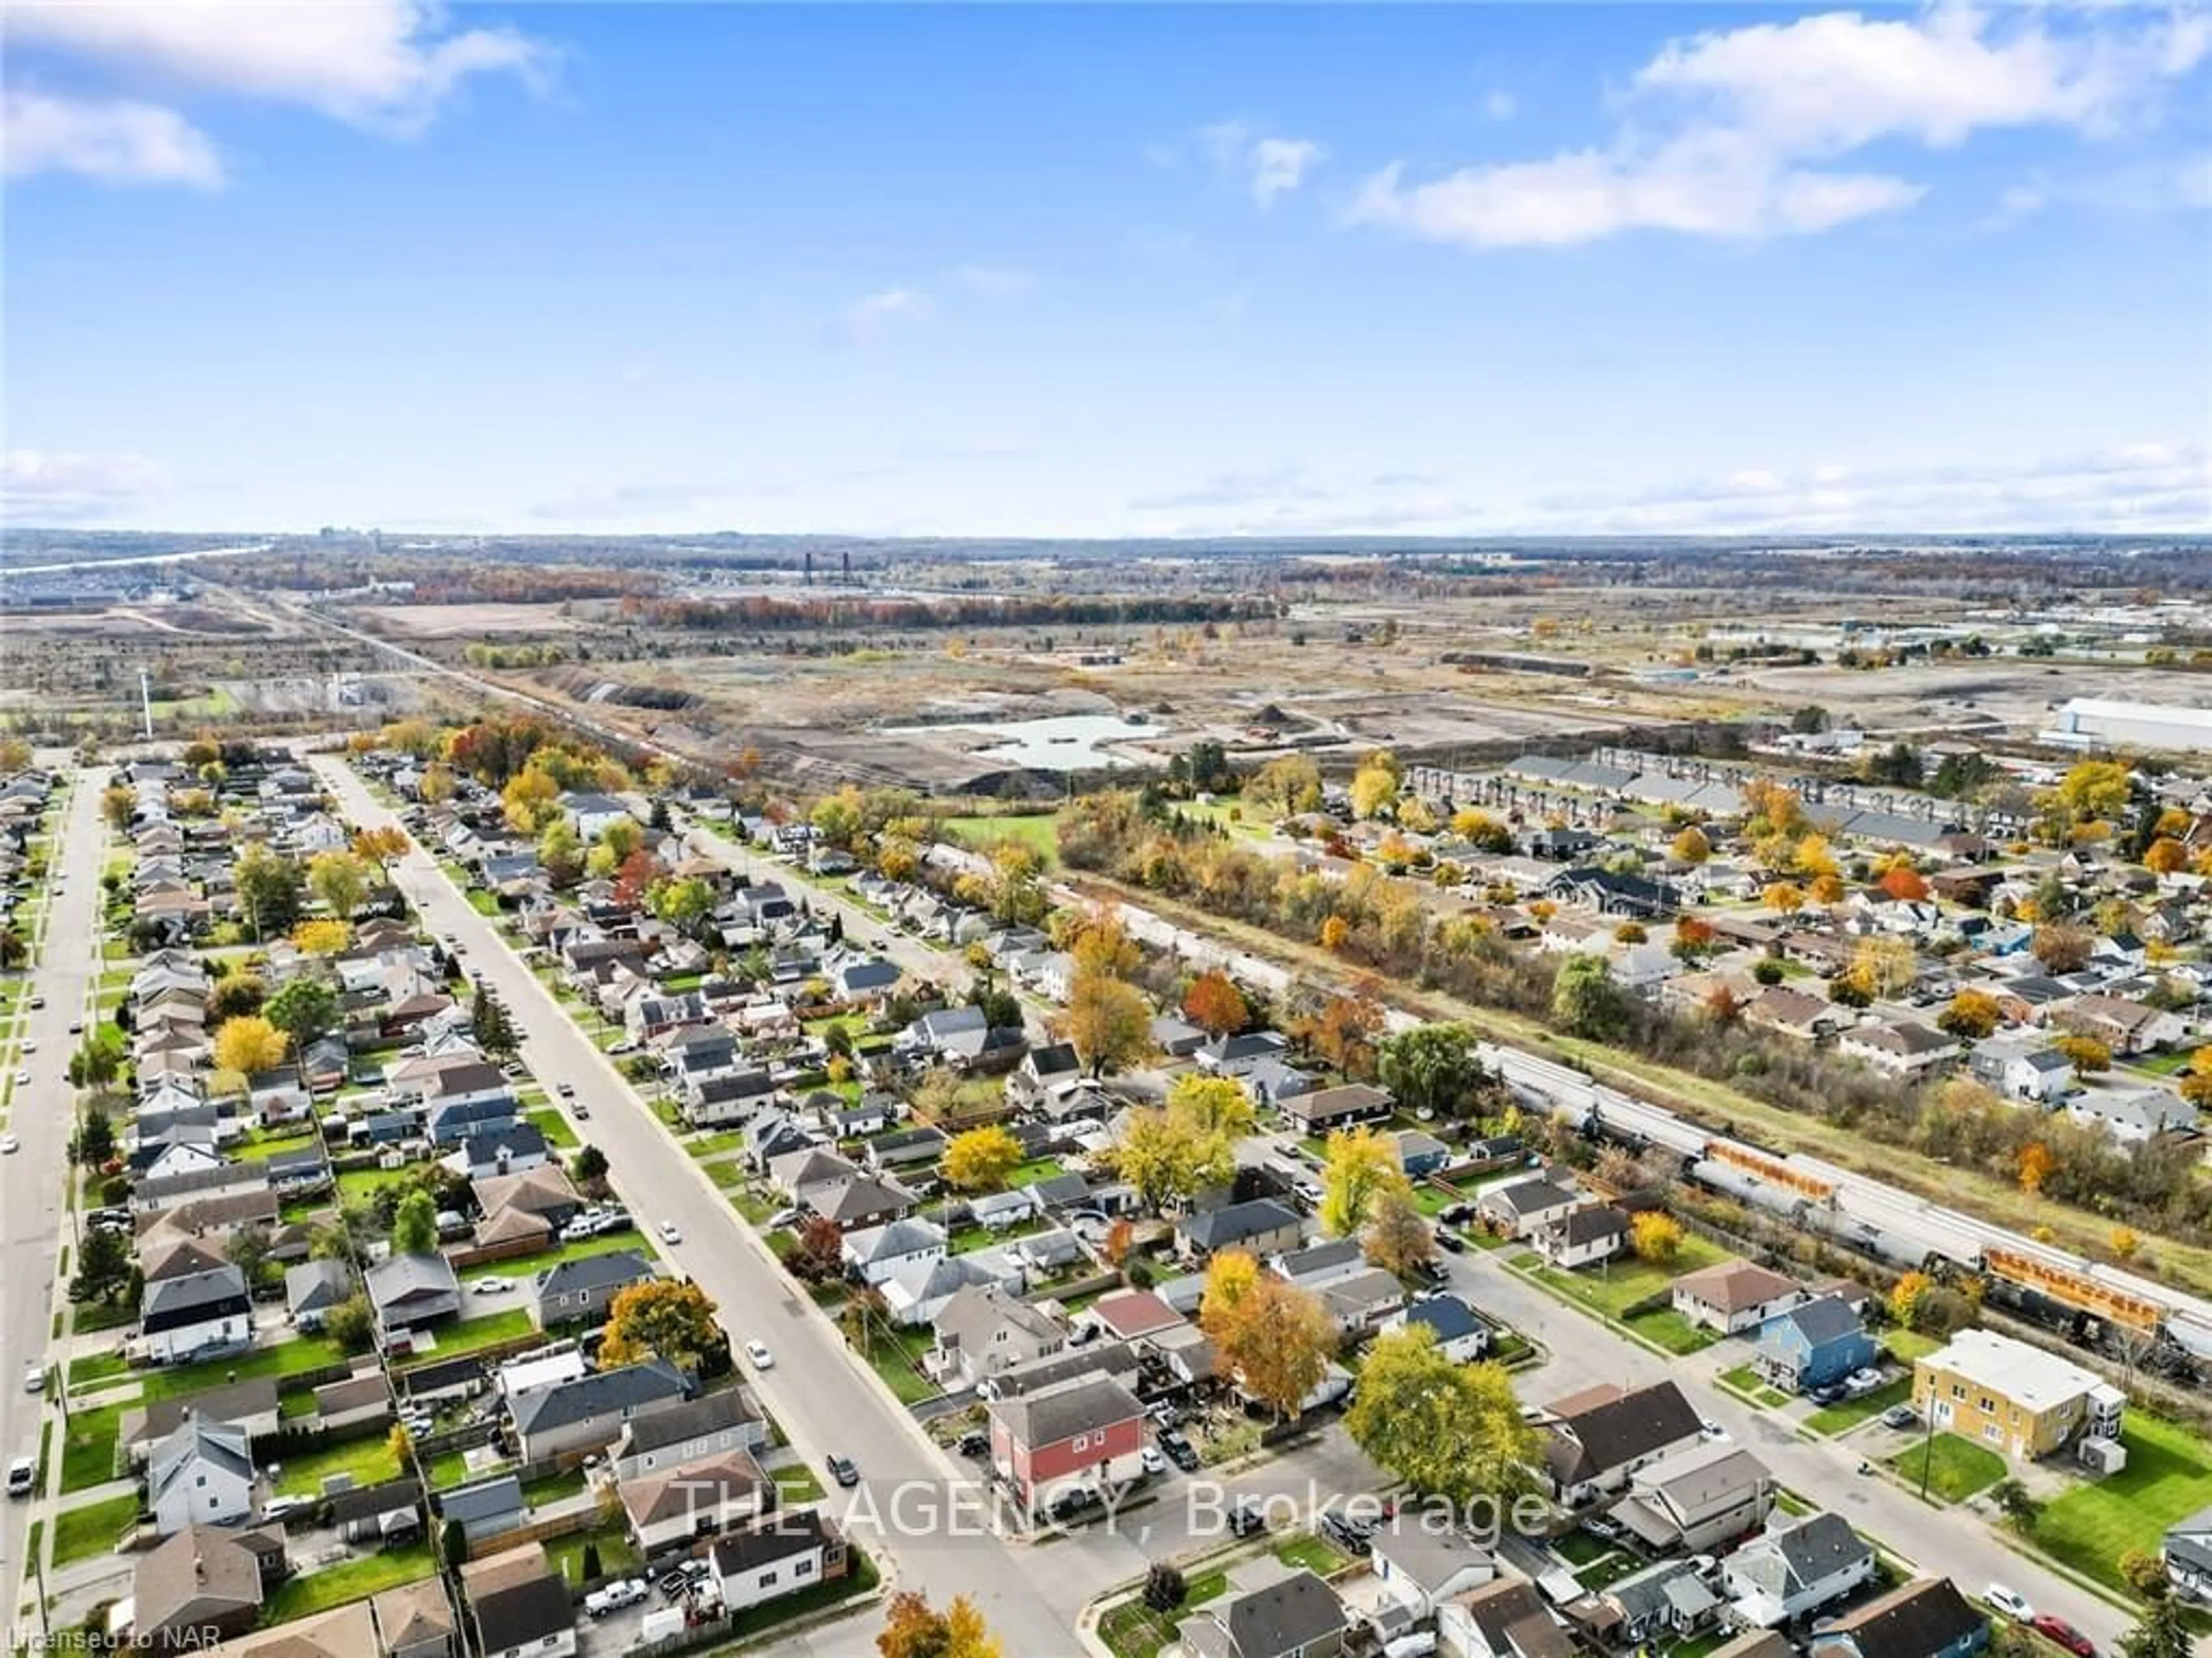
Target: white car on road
<point x="671" y="1233"/>
<point x="9" y="1146"/>
<point x="2010" y="1602"/>
<point x="758" y="1351"/>
<point x="34" y="1377"/>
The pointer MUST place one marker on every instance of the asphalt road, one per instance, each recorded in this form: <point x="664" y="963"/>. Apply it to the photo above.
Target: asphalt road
<point x="32" y="1181"/>
<point x="911" y="1495"/>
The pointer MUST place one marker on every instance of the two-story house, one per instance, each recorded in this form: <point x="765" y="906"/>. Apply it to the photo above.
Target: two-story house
<point x="1086" y="1431"/>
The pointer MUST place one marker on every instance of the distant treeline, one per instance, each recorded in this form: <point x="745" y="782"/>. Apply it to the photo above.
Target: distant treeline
<point x="759" y="613"/>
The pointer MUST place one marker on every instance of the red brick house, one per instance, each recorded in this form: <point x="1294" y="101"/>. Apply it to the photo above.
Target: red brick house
<point x="1087" y="1431"/>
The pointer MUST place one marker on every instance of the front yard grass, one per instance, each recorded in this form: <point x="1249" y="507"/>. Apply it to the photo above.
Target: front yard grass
<point x="86" y="1371"/>
<point x="1841" y="1418"/>
<point x="1956" y="1468"/>
<point x="96" y="1528"/>
<point x="2168" y="1475"/>
<point x="796" y="1483"/>
<point x="1663" y="1326"/>
<point x="1610" y="1289"/>
<point x="89" y="1453"/>
<point x="337" y="1586"/>
<point x="555" y="1126"/>
<point x="1134" y="1629"/>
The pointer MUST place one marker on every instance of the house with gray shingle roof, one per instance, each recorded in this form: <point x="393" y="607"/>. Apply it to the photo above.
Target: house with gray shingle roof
<point x="202" y="1473"/>
<point x="580" y="1292"/>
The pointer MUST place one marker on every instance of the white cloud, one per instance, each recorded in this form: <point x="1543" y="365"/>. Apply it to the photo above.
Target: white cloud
<point x="43" y="486"/>
<point x="116" y="141"/>
<point x="1732" y="134"/>
<point x="994" y="282"/>
<point x="2130" y="486"/>
<point x="867" y="319"/>
<point x="1692" y="188"/>
<point x="1500" y="105"/>
<point x="376" y="63"/>
<point x="1268" y="166"/>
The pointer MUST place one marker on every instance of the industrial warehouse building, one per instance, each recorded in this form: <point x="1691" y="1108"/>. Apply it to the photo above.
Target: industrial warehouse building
<point x="2088" y="722"/>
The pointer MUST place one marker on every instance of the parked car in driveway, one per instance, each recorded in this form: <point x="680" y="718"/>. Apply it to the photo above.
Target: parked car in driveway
<point x="1899" y="1416"/>
<point x="1859" y="1383"/>
<point x="622" y="1592"/>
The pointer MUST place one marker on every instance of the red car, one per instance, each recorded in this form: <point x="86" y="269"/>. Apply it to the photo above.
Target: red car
<point x="2059" y="1632"/>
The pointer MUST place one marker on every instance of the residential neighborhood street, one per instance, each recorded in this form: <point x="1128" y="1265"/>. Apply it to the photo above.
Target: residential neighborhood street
<point x="33" y="1180"/>
<point x="831" y="1404"/>
<point x="827" y="1402"/>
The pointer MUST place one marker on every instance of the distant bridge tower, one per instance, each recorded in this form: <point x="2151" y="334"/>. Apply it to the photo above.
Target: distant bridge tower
<point x="849" y="567"/>
<point x="809" y="566"/>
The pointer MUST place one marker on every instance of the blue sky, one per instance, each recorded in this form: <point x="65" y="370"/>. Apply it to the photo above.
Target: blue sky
<point x="1108" y="270"/>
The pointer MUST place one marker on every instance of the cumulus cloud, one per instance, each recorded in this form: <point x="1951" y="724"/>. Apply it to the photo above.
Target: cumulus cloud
<point x="1268" y="166"/>
<point x="1737" y="133"/>
<point x="44" y="487"/>
<point x="379" y="63"/>
<point x="117" y="140"/>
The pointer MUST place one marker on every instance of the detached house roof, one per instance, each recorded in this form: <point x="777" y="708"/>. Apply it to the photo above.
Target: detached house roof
<point x="1082" y="1406"/>
<point x="1606" y="1428"/>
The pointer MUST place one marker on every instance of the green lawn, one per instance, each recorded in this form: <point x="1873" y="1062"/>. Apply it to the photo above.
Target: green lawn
<point x="1579" y="1549"/>
<point x="555" y="1127"/>
<point x="526" y="1266"/>
<point x="80" y="1534"/>
<point x="1134" y="1629"/>
<point x="1906" y="1345"/>
<point x="711" y="1145"/>
<point x="1606" y="1570"/>
<point x="285" y="1358"/>
<point x="617" y="1555"/>
<point x="1040" y="834"/>
<point x="897" y="1359"/>
<point x="553" y="1488"/>
<point x="335" y="1586"/>
<point x="360" y="1185"/>
<point x="795" y="1482"/>
<point x="472" y="1335"/>
<point x="88" y="1454"/>
<point x="2168" y="1476"/>
<point x="1840" y="1418"/>
<point x="1663" y="1326"/>
<point x="86" y="1370"/>
<point x="1029" y="1174"/>
<point x="1315" y="1553"/>
<point x="1611" y="1289"/>
<point x="368" y="1460"/>
<point x="1956" y="1468"/>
